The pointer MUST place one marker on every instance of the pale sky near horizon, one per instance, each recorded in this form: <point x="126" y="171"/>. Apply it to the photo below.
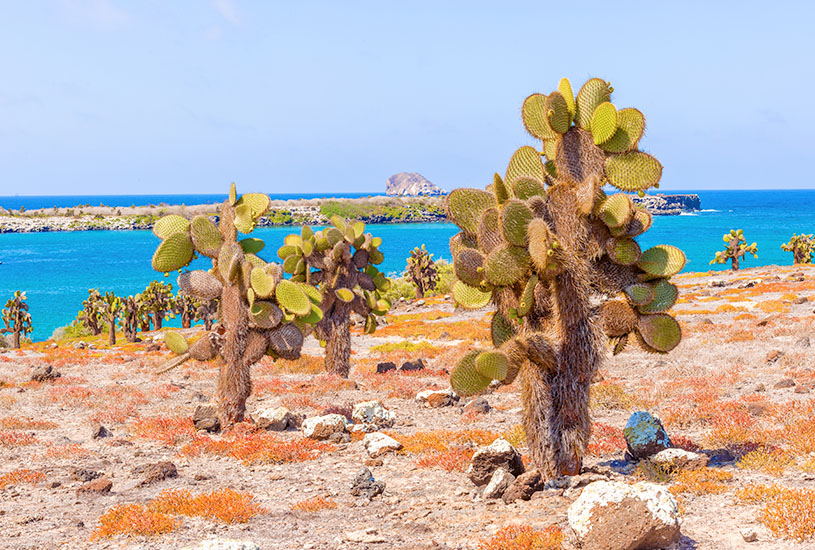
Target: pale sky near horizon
<point x="115" y="97"/>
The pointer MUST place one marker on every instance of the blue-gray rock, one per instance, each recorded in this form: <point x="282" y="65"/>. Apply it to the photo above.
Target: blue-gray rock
<point x="645" y="435"/>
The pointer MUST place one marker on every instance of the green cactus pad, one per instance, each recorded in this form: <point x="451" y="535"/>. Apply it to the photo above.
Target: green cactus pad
<point x="623" y="251"/>
<point x="469" y="266"/>
<point x="254" y="261"/>
<point x="565" y="89"/>
<point x="465" y="378"/>
<point x="515" y="218"/>
<point x="205" y="236"/>
<point x="492" y="365"/>
<point x="550" y="150"/>
<point x="640" y="223"/>
<point x="525" y="188"/>
<point x="252" y="245"/>
<point x="630" y="127"/>
<point x="314" y="317"/>
<point x="290" y="263"/>
<point x="634" y="171"/>
<point x="660" y="331"/>
<point x="201" y="284"/>
<point x="287" y="250"/>
<point x="616" y="210"/>
<point x="465" y="207"/>
<point x="176" y="342"/>
<point x="665" y="295"/>
<point x="262" y="283"/>
<point x="229" y="262"/>
<point x="233" y="194"/>
<point x="265" y="314"/>
<point x="604" y="122"/>
<point x="345" y="295"/>
<point x="291" y="296"/>
<point x="594" y="92"/>
<point x="258" y="203"/>
<point x="662" y="260"/>
<point x="489" y="231"/>
<point x="313" y="293"/>
<point x="244" y="222"/>
<point x="286" y="341"/>
<point x="617" y="318"/>
<point x="500" y="189"/>
<point x="173" y="253"/>
<point x="533" y="113"/>
<point x="470" y="297"/>
<point x="525" y="163"/>
<point x="557" y="109"/>
<point x="459" y="242"/>
<point x="383" y="284"/>
<point x="540" y="244"/>
<point x="506" y="265"/>
<point x="168" y="225"/>
<point x="640" y="293"/>
<point x="501" y="330"/>
<point x="527" y="297"/>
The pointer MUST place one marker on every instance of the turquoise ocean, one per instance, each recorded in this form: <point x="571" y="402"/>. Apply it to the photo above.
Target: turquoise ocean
<point x="57" y="269"/>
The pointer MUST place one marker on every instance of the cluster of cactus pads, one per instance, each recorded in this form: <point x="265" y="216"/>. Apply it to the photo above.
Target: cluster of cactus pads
<point x="421" y="269"/>
<point x="737" y="248"/>
<point x="802" y="247"/>
<point x="558" y="258"/>
<point x="16" y="319"/>
<point x="340" y="261"/>
<point x="260" y="312"/>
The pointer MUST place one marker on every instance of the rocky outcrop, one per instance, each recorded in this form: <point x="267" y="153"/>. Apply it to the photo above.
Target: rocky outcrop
<point x="669" y="205"/>
<point x="411" y="184"/>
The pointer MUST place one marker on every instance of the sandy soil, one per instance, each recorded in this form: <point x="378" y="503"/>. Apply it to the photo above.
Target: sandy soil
<point x="705" y="392"/>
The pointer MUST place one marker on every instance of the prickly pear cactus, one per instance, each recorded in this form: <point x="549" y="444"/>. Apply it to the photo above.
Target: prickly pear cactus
<point x="131" y="316"/>
<point x="260" y="313"/>
<point x="186" y="307"/>
<point x="159" y="301"/>
<point x="421" y="269"/>
<point x="91" y="314"/>
<point x="341" y="261"/>
<point x="16" y="319"/>
<point x="802" y="248"/>
<point x="736" y="249"/>
<point x="111" y="309"/>
<point x="543" y="242"/>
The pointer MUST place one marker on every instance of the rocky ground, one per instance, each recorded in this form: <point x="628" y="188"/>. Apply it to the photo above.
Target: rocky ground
<point x="737" y="390"/>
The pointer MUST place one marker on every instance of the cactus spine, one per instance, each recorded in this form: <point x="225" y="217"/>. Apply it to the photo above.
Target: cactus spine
<point x="542" y="242"/>
<point x="736" y="249"/>
<point x="16" y="318"/>
<point x="802" y="248"/>
<point x="256" y="317"/>
<point x="341" y="261"/>
<point x="421" y="269"/>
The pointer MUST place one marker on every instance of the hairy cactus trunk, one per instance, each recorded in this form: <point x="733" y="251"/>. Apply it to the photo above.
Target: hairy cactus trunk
<point x="15" y="339"/>
<point x="419" y="292"/>
<point x="234" y="381"/>
<point x="144" y="324"/>
<point x="338" y="346"/>
<point x="735" y="263"/>
<point x="112" y="332"/>
<point x="186" y="318"/>
<point x="157" y="319"/>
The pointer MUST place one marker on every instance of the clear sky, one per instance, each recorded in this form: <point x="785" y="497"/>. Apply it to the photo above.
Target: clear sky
<point x="108" y="96"/>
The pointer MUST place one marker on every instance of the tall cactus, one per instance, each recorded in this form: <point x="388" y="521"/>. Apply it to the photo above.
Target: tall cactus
<point x="131" y="316"/>
<point x="111" y="309"/>
<point x="260" y="313"/>
<point x="16" y="318"/>
<point x="206" y="313"/>
<point x="159" y="301"/>
<point x="187" y="307"/>
<point x="802" y="248"/>
<point x="543" y="243"/>
<point x="341" y="261"/>
<point x="91" y="314"/>
<point x="736" y="249"/>
<point x="421" y="269"/>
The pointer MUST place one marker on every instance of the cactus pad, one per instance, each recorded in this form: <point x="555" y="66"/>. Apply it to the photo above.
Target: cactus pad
<point x="525" y="162"/>
<point x="202" y="349"/>
<point x="465" y="378"/>
<point x="540" y="244"/>
<point x="506" y="265"/>
<point x="527" y="297"/>
<point x="251" y="245"/>
<point x="258" y="203"/>
<point x="286" y="341"/>
<point x="515" y="218"/>
<point x="168" y="225"/>
<point x="525" y="188"/>
<point x="660" y="331"/>
<point x="265" y="314"/>
<point x="492" y="365"/>
<point x="662" y="261"/>
<point x="634" y="171"/>
<point x="565" y="89"/>
<point x="557" y="111"/>
<point x="201" y="284"/>
<point x="470" y="297"/>
<point x="469" y="266"/>
<point x="533" y="113"/>
<point x="205" y="236"/>
<point x="616" y="210"/>
<point x="244" y="222"/>
<point x="594" y="92"/>
<point x="665" y="295"/>
<point x="623" y="251"/>
<point x="604" y="122"/>
<point x="262" y="283"/>
<point x="618" y="318"/>
<point x="173" y="253"/>
<point x="640" y="293"/>
<point x="630" y="127"/>
<point x="500" y="189"/>
<point x="344" y="294"/>
<point x="501" y="330"/>
<point x="176" y="342"/>
<point x="465" y="207"/>
<point x="489" y="231"/>
<point x="291" y="296"/>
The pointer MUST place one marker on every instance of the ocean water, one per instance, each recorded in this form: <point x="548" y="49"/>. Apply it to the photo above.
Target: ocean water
<point x="57" y="269"/>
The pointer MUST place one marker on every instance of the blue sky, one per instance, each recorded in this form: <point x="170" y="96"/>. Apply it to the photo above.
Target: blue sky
<point x="107" y="96"/>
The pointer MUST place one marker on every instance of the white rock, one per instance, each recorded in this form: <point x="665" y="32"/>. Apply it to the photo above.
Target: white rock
<point x="274" y="419"/>
<point x="437" y="398"/>
<point x="369" y="536"/>
<point x="372" y="412"/>
<point x="674" y="459"/>
<point x="378" y="444"/>
<point x="748" y="534"/>
<point x="323" y="427"/>
<point x="613" y="515"/>
<point x="499" y="482"/>
<point x="224" y="544"/>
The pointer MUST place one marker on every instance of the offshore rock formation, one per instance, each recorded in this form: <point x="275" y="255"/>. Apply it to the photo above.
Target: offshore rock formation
<point x="668" y="205"/>
<point x="411" y="184"/>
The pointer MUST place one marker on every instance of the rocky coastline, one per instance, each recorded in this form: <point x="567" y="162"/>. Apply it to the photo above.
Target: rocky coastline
<point x="316" y="212"/>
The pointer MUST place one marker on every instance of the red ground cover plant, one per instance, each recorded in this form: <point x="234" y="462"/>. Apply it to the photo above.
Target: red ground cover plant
<point x="524" y="537"/>
<point x="314" y="505"/>
<point x="17" y="477"/>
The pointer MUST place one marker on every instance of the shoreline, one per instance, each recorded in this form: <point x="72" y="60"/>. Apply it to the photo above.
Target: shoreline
<point x="292" y="212"/>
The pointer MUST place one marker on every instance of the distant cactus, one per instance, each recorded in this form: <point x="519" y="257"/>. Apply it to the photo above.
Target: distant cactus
<point x="16" y="318"/>
<point x="206" y="313"/>
<point x="421" y="269"/>
<point x="802" y="248"/>
<point x="736" y="249"/>
<point x="543" y="243"/>
<point x="112" y="308"/>
<point x="91" y="314"/>
<point x="340" y="260"/>
<point x="259" y="311"/>
<point x="187" y="307"/>
<point x="159" y="301"/>
<point x="130" y="317"/>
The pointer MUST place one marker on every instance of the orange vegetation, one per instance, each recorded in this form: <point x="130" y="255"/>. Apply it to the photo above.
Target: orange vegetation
<point x="226" y="505"/>
<point x="791" y="514"/>
<point x="134" y="519"/>
<point x="605" y="440"/>
<point x="314" y="504"/>
<point x="19" y="423"/>
<point x="700" y="482"/>
<point x="20" y="476"/>
<point x="524" y="537"/>
<point x="451" y="460"/>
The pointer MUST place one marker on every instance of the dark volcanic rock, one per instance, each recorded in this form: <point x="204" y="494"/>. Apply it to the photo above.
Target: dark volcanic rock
<point x="523" y="487"/>
<point x="499" y="454"/>
<point x="382" y="368"/>
<point x="365" y="485"/>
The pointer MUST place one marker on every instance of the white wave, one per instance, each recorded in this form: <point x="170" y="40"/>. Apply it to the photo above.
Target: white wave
<point x="688" y="214"/>
<point x="709" y="210"/>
